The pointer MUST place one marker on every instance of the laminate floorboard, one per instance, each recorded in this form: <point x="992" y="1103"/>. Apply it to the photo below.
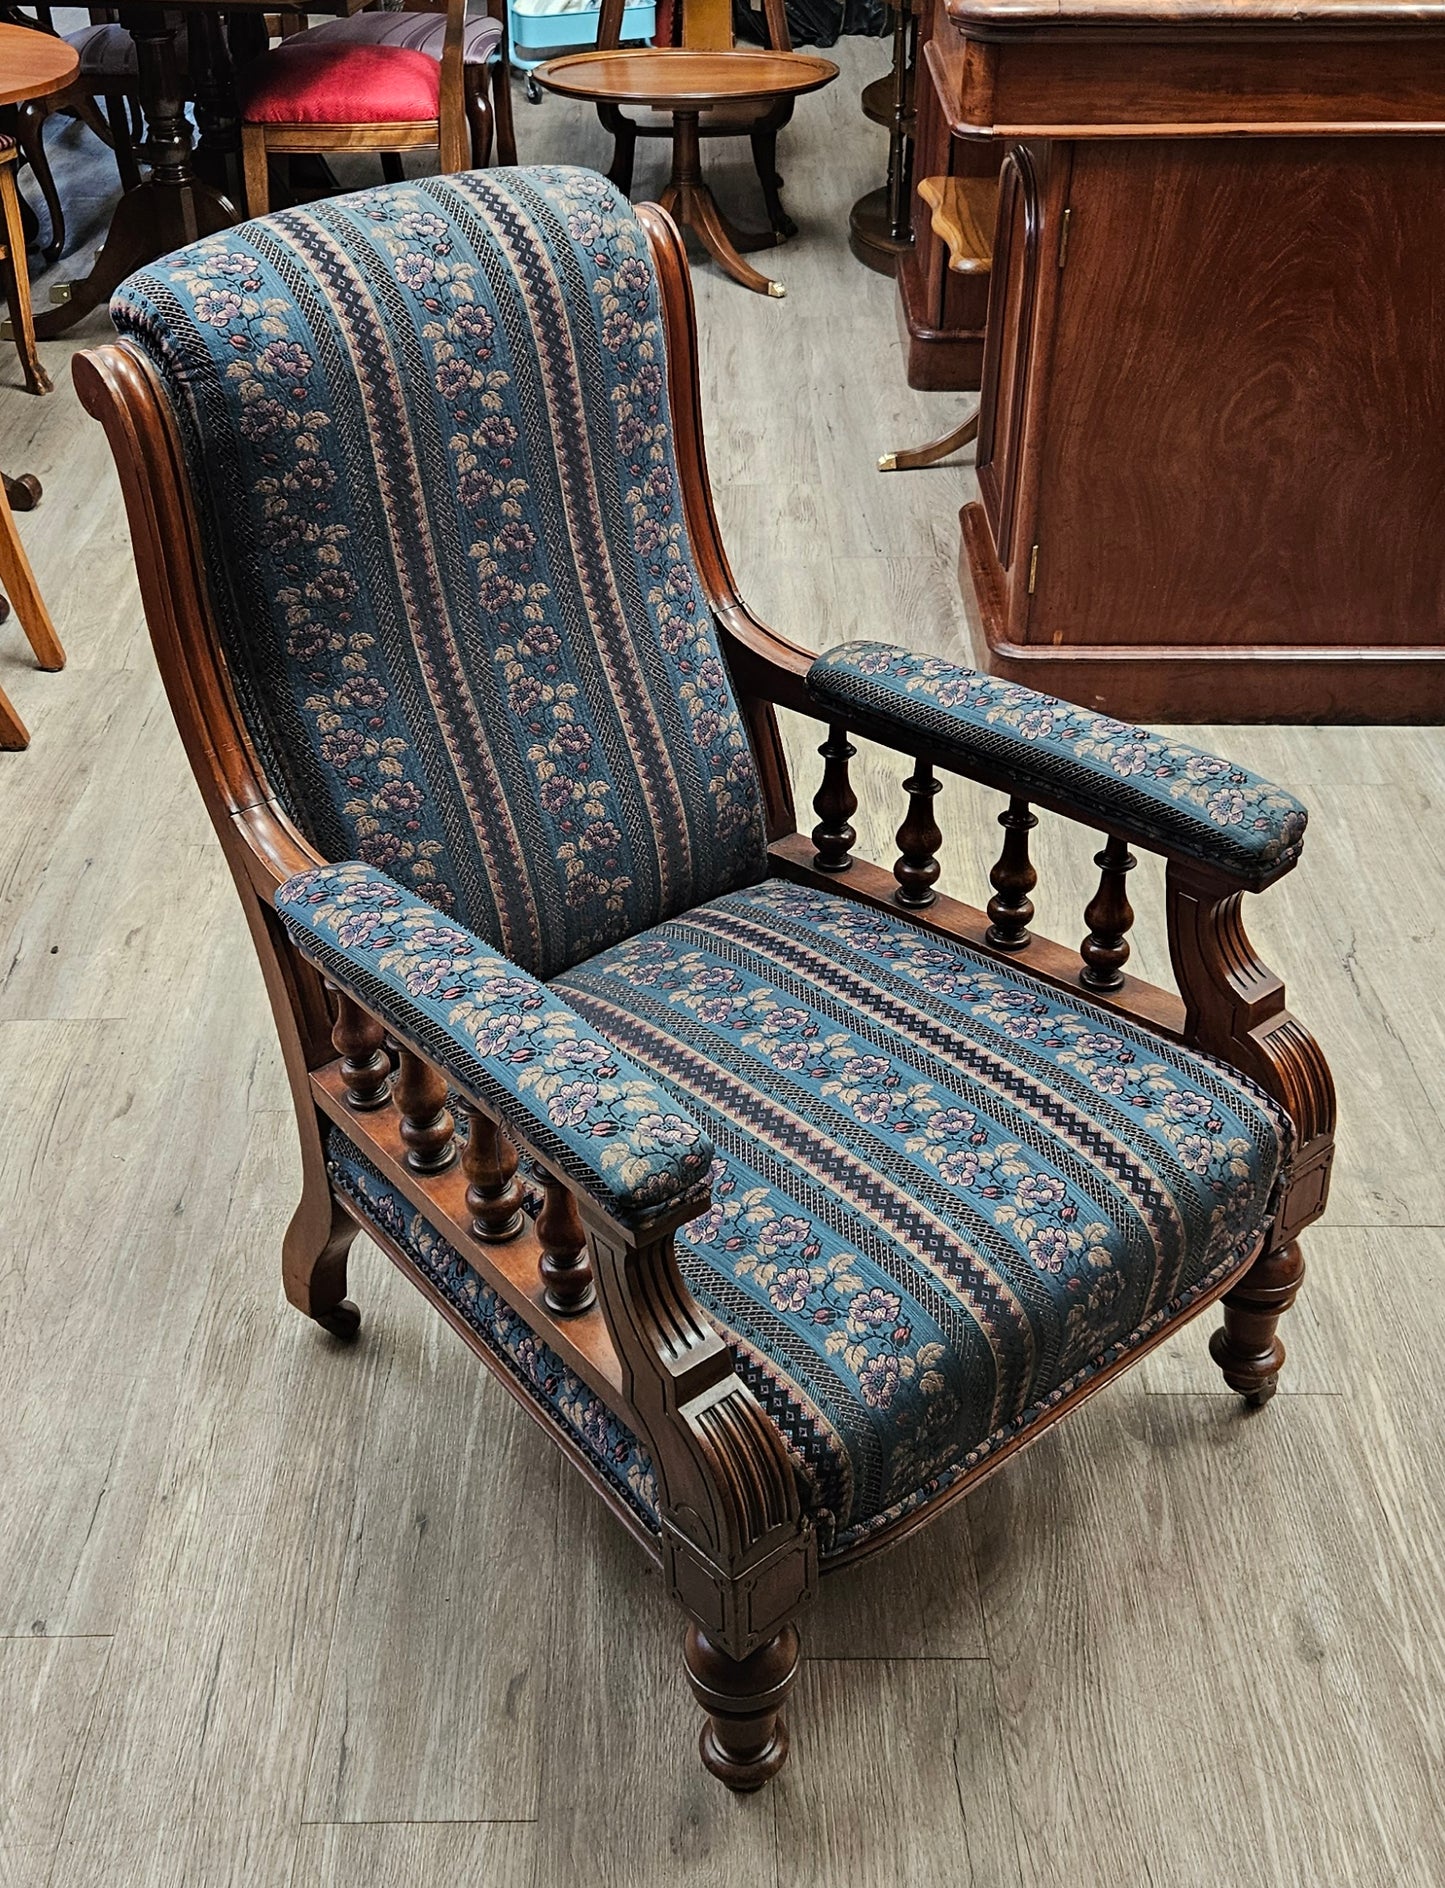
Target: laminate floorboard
<point x="283" y="1615"/>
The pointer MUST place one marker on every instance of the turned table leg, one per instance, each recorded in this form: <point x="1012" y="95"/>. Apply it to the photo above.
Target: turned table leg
<point x="173" y="206"/>
<point x="688" y="199"/>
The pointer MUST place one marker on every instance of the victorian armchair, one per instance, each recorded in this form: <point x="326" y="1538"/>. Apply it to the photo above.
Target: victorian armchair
<point x="837" y="1192"/>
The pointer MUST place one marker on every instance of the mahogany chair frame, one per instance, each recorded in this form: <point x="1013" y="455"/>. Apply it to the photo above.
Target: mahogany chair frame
<point x="470" y="105"/>
<point x="735" y="1548"/>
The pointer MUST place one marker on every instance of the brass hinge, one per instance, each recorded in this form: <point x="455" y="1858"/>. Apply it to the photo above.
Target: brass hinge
<point x="1033" y="568"/>
<point x="1064" y="237"/>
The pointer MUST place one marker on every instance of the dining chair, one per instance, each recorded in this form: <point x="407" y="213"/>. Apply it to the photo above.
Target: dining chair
<point x="430" y="74"/>
<point x="788" y="1196"/>
<point x="108" y="75"/>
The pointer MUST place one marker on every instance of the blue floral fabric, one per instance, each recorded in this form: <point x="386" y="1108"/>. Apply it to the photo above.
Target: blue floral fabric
<point x="1156" y="791"/>
<point x="562" y="1398"/>
<point x="944" y="1193"/>
<point x="509" y="1044"/>
<point x="429" y="433"/>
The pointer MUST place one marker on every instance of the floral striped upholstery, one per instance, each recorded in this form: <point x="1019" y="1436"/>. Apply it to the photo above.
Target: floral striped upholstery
<point x="429" y="433"/>
<point x="1157" y="791"/>
<point x="945" y="1194"/>
<point x="511" y="1045"/>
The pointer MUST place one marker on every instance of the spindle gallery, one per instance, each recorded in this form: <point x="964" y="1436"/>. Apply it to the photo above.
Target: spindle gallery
<point x="716" y="660"/>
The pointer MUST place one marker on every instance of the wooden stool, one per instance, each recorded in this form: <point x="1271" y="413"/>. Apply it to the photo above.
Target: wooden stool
<point x="965" y="210"/>
<point x="687" y="84"/>
<point x="17" y="578"/>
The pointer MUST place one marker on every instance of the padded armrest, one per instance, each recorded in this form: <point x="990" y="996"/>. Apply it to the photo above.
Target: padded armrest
<point x="506" y="1041"/>
<point x="1168" y="797"/>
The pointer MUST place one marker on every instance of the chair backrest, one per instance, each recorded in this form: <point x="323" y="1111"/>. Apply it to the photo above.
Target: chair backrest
<point x="430" y="444"/>
<point x="707" y="25"/>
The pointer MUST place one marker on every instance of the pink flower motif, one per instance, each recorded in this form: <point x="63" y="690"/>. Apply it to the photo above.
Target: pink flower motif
<point x="875" y="1307"/>
<point x="959" y="1169"/>
<point x="570" y="1106"/>
<point x="789" y="1290"/>
<point x="1048" y="1248"/>
<point x="879" y="1380"/>
<point x="1037" y="1192"/>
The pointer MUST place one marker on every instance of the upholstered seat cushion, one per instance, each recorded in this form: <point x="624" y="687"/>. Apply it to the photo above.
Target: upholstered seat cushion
<point x="341" y="85"/>
<point x="415" y="32"/>
<point x="945" y="1194"/>
<point x="107" y="53"/>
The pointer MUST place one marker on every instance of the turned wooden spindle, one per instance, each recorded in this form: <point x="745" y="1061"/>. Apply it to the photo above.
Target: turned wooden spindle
<point x="565" y="1264"/>
<point x="744" y="1737"/>
<point x="1011" y="910"/>
<point x="427" y="1127"/>
<point x="1109" y="915"/>
<point x="917" y="868"/>
<point x="835" y="804"/>
<point x="494" y="1193"/>
<point x="360" y="1041"/>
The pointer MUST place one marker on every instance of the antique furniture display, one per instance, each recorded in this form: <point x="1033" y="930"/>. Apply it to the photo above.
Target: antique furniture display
<point x="749" y="88"/>
<point x="708" y="26"/>
<point x="107" y="72"/>
<point x="963" y="211"/>
<point x="18" y="586"/>
<point x="880" y="223"/>
<point x="836" y="1191"/>
<point x="176" y="202"/>
<point x="32" y="65"/>
<point x="942" y="309"/>
<point x="1231" y="509"/>
<point x="382" y="81"/>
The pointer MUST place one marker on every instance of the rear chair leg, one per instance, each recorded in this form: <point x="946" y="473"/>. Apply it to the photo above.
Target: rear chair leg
<point x="1247" y="1347"/>
<point x="744" y="1738"/>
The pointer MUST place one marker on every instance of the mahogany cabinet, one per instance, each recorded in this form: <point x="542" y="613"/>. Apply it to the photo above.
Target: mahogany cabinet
<point x="1211" y="453"/>
<point x="941" y="313"/>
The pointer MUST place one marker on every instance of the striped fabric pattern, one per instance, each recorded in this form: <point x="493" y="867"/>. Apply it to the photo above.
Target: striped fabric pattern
<point x="1157" y="791"/>
<point x="429" y="433"/>
<point x="943" y="1194"/>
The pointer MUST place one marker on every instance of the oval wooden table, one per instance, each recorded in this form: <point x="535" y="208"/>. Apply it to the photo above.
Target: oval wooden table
<point x="32" y="65"/>
<point x="686" y="84"/>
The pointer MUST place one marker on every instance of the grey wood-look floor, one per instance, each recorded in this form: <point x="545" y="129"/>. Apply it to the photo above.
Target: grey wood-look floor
<point x="276" y="1613"/>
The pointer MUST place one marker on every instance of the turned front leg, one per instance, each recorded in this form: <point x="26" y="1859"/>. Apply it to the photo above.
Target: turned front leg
<point x="1247" y="1348"/>
<point x="744" y="1739"/>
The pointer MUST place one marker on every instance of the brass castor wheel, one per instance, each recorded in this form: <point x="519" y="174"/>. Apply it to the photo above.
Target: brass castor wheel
<point x="343" y="1322"/>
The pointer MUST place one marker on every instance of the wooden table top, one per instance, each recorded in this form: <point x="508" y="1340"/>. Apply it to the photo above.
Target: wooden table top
<point x="676" y="78"/>
<point x="33" y="64"/>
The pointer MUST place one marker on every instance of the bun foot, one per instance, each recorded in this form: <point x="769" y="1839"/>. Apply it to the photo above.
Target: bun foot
<point x="744" y="1739"/>
<point x="343" y="1321"/>
<point x="742" y="1778"/>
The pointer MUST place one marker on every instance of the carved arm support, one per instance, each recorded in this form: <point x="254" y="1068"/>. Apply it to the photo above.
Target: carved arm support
<point x="735" y="1547"/>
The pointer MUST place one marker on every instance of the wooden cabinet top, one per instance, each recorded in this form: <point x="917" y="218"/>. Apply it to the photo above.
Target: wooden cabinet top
<point x="1190" y="68"/>
<point x="993" y="16"/>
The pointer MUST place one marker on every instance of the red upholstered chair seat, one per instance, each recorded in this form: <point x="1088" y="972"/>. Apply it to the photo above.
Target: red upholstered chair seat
<point x="310" y="84"/>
